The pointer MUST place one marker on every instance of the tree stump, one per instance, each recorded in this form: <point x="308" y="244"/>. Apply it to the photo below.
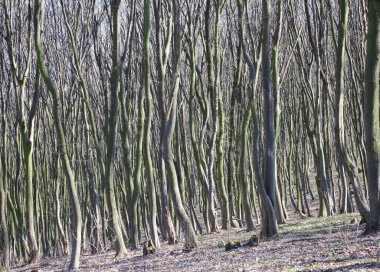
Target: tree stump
<point x="232" y="245"/>
<point x="148" y="248"/>
<point x="253" y="241"/>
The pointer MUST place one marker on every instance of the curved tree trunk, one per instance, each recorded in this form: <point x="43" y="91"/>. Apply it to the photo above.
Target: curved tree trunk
<point x="147" y="129"/>
<point x="26" y="124"/>
<point x="168" y="232"/>
<point x="343" y="157"/>
<point x="112" y="127"/>
<point x="77" y="216"/>
<point x="96" y="246"/>
<point x="243" y="172"/>
<point x="184" y="220"/>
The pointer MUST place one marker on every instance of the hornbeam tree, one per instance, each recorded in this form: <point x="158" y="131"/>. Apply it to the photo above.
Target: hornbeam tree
<point x="76" y="236"/>
<point x="371" y="114"/>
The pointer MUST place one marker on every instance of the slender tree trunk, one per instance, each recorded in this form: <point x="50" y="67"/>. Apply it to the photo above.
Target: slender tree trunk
<point x="243" y="172"/>
<point x="147" y="129"/>
<point x="162" y="61"/>
<point x="3" y="192"/>
<point x="190" y="236"/>
<point x="26" y="127"/>
<point x="343" y="157"/>
<point x="280" y="207"/>
<point x="96" y="245"/>
<point x="112" y="127"/>
<point x="220" y="119"/>
<point x="217" y="138"/>
<point x="371" y="114"/>
<point x="269" y="228"/>
<point x="77" y="216"/>
<point x="95" y="209"/>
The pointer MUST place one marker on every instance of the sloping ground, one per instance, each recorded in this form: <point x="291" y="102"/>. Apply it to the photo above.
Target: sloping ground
<point x="314" y="244"/>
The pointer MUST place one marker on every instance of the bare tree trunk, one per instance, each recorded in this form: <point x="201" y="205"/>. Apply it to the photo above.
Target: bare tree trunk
<point x="147" y="129"/>
<point x="26" y="125"/>
<point x="3" y="190"/>
<point x="268" y="196"/>
<point x="77" y="216"/>
<point x="162" y="61"/>
<point x="243" y="171"/>
<point x="371" y="114"/>
<point x="343" y="156"/>
<point x="280" y="208"/>
<point x="113" y="120"/>
<point x="190" y="236"/>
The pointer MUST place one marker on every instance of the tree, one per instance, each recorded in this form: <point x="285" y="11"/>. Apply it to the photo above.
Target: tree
<point x="162" y="59"/>
<point x="268" y="192"/>
<point x="3" y="185"/>
<point x="131" y="117"/>
<point x="371" y="114"/>
<point x="116" y="5"/>
<point x="343" y="157"/>
<point x="190" y="236"/>
<point x="21" y="71"/>
<point x="147" y="129"/>
<point x="247" y="205"/>
<point x="76" y="236"/>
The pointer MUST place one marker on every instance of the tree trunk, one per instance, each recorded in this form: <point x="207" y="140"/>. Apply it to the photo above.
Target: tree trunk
<point x="190" y="236"/>
<point x="112" y="128"/>
<point x="147" y="130"/>
<point x="343" y="157"/>
<point x="3" y="192"/>
<point x="269" y="197"/>
<point x="371" y="114"/>
<point x="77" y="216"/>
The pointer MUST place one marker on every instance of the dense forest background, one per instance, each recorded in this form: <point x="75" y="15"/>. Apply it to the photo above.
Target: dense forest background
<point x="131" y="121"/>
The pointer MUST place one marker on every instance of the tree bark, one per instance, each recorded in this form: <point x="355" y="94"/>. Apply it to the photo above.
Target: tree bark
<point x="343" y="156"/>
<point x="77" y="216"/>
<point x="147" y="130"/>
<point x="371" y="114"/>
<point x="269" y="228"/>
<point x="112" y="127"/>
<point x="190" y="236"/>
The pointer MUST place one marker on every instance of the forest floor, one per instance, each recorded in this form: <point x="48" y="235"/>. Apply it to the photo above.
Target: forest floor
<point x="314" y="244"/>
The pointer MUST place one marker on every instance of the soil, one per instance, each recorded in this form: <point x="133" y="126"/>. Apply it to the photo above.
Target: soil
<point x="314" y="244"/>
